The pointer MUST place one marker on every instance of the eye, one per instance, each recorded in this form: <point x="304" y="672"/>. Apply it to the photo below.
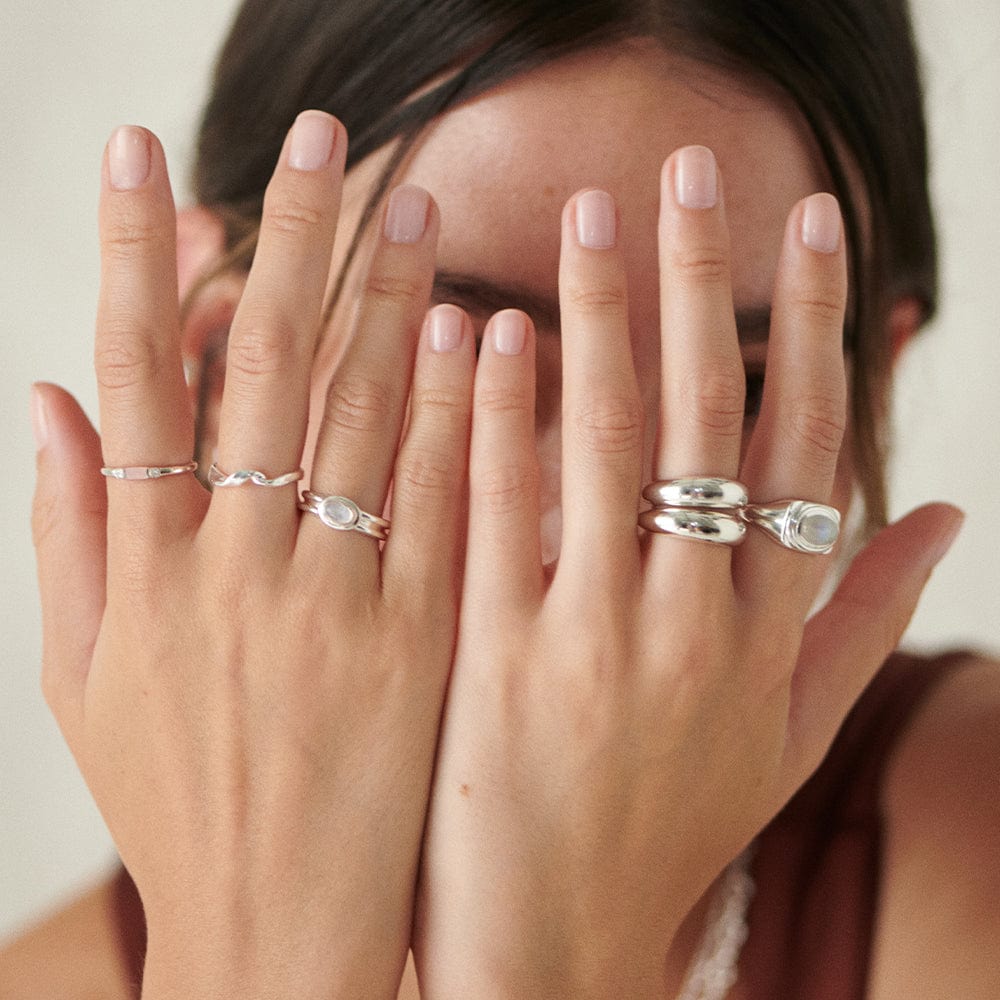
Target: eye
<point x="755" y="393"/>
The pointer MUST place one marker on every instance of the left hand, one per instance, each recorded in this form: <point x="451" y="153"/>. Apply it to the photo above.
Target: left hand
<point x="614" y="737"/>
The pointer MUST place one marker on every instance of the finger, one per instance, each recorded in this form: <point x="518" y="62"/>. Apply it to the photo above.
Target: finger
<point x="796" y="444"/>
<point x="846" y="642"/>
<point x="702" y="380"/>
<point x="429" y="481"/>
<point x="145" y="416"/>
<point x="68" y="525"/>
<point x="366" y="401"/>
<point x="602" y="416"/>
<point x="503" y="565"/>
<point x="273" y="336"/>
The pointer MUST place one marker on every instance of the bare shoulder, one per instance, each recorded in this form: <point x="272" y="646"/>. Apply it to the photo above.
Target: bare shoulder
<point x="70" y="955"/>
<point x="939" y="912"/>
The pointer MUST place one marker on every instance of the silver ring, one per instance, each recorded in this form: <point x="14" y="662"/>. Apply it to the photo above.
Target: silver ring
<point x="799" y="525"/>
<point x="216" y="477"/>
<point x="147" y="471"/>
<point x="342" y="514"/>
<point x="703" y="492"/>
<point x="699" y="525"/>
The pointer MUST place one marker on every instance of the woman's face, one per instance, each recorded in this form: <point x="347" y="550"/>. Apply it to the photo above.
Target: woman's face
<point x="502" y="166"/>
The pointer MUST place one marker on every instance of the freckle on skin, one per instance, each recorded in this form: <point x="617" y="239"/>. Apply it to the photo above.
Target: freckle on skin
<point x="549" y="191"/>
<point x="464" y="790"/>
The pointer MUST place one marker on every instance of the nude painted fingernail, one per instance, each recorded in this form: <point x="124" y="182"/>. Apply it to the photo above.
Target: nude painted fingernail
<point x="596" y="224"/>
<point x="445" y="331"/>
<point x="695" y="177"/>
<point x="313" y="136"/>
<point x="128" y="158"/>
<point x="821" y="225"/>
<point x="406" y="214"/>
<point x="39" y="419"/>
<point x="509" y="332"/>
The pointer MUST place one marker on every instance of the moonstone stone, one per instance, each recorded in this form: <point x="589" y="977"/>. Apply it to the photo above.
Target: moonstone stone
<point x="818" y="529"/>
<point x="338" y="513"/>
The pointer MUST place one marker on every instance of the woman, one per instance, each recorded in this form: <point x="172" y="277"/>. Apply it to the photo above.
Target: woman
<point x="255" y="701"/>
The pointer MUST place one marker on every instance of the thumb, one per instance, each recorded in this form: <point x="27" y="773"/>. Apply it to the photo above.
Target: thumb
<point x="845" y="644"/>
<point x="68" y="526"/>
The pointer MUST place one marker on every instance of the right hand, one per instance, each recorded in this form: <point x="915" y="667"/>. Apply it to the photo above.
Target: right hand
<point x="253" y="698"/>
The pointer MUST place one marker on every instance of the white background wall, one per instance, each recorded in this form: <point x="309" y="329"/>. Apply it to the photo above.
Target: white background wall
<point x="70" y="72"/>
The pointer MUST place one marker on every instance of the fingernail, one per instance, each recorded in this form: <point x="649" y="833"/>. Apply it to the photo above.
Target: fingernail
<point x="39" y="422"/>
<point x="938" y="548"/>
<point x="445" y="323"/>
<point x="509" y="332"/>
<point x="596" y="225"/>
<point x="821" y="223"/>
<point x="128" y="158"/>
<point x="406" y="215"/>
<point x="695" y="177"/>
<point x="313" y="136"/>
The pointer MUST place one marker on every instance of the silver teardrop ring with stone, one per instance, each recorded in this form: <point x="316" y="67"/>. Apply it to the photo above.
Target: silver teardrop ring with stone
<point x="342" y="514"/>
<point x="797" y="524"/>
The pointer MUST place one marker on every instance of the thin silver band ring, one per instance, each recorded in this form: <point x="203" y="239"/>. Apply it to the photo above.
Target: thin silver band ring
<point x="216" y="477"/>
<point x="800" y="525"/>
<point x="133" y="472"/>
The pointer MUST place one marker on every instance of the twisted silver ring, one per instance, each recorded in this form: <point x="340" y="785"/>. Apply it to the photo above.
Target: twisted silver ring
<point x="147" y="471"/>
<point x="216" y="477"/>
<point x="342" y="514"/>
<point x="699" y="525"/>
<point x="799" y="525"/>
<point x="711" y="493"/>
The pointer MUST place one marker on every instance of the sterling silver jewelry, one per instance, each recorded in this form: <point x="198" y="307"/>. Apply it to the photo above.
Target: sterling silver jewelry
<point x="713" y="969"/>
<point x="216" y="477"/>
<point x="709" y="493"/>
<point x="700" y="525"/>
<point x="342" y="514"/>
<point x="799" y="525"/>
<point x="147" y="471"/>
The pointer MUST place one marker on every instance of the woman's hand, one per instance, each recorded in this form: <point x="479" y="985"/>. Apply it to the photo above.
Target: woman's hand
<point x="252" y="697"/>
<point x="613" y="738"/>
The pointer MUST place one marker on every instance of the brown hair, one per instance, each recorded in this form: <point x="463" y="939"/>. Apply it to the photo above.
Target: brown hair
<point x="850" y="68"/>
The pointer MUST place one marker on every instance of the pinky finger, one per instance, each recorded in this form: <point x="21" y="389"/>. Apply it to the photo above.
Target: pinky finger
<point x="846" y="642"/>
<point x="68" y="524"/>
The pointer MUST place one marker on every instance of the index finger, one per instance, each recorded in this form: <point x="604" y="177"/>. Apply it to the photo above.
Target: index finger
<point x="145" y="416"/>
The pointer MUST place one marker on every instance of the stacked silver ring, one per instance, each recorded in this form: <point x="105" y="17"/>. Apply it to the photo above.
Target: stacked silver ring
<point x="343" y="514"/>
<point x="712" y="509"/>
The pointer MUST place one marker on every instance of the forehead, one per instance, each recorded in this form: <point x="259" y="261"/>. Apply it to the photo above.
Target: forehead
<point x="502" y="166"/>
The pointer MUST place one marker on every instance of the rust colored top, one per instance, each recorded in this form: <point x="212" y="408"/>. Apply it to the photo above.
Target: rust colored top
<point x="817" y="863"/>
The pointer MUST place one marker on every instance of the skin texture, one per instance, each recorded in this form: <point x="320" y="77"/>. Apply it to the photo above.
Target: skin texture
<point x="189" y="695"/>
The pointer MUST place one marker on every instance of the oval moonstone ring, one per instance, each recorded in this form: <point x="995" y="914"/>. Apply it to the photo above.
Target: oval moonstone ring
<point x="799" y="525"/>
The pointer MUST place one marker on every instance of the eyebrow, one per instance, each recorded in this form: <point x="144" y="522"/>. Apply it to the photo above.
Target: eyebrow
<point x="484" y="297"/>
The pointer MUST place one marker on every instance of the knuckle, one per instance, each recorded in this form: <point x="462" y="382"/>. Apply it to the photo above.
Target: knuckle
<point x="394" y="289"/>
<point x="499" y="400"/>
<point x="597" y="300"/>
<point x="425" y="474"/>
<point x="824" y="310"/>
<point x="611" y="425"/>
<point x="291" y="216"/>
<point x="819" y="423"/>
<point x="448" y="410"/>
<point x="701" y="265"/>
<point x="46" y="511"/>
<point x="715" y="397"/>
<point x="505" y="489"/>
<point x="125" y="360"/>
<point x="132" y="236"/>
<point x="260" y="349"/>
<point x="356" y="403"/>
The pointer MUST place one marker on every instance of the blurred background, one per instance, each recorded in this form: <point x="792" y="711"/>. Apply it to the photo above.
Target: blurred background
<point x="71" y="72"/>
